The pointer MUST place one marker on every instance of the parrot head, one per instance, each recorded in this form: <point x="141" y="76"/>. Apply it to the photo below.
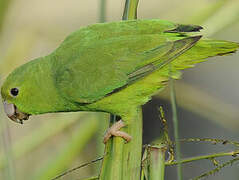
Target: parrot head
<point x="13" y="96"/>
<point x="30" y="90"/>
<point x="22" y="91"/>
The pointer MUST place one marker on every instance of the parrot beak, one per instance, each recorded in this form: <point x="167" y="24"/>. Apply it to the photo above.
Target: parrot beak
<point x="13" y="113"/>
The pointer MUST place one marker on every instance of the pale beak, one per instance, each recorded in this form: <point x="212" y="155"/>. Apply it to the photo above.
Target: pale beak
<point x="13" y="113"/>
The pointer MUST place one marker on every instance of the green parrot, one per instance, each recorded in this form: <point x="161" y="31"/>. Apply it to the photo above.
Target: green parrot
<point x="107" y="67"/>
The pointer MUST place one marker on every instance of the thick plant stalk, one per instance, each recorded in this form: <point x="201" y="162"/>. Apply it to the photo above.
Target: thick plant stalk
<point x="157" y="160"/>
<point x="153" y="163"/>
<point x="123" y="161"/>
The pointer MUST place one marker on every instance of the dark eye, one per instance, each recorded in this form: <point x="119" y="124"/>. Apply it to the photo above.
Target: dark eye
<point x="14" y="91"/>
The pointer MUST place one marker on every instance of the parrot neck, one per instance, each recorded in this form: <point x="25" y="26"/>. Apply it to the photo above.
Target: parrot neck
<point x="46" y="98"/>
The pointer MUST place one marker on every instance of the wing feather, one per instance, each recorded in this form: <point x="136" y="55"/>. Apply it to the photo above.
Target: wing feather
<point x="108" y="65"/>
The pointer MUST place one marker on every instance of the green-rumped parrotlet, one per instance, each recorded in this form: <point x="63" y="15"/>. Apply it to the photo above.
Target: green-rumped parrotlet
<point x="110" y="67"/>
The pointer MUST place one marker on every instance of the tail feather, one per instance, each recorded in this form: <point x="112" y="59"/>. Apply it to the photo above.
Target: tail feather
<point x="185" y="53"/>
<point x="205" y="48"/>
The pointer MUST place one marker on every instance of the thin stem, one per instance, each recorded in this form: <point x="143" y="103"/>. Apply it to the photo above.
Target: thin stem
<point x="187" y="160"/>
<point x="217" y="169"/>
<point x="4" y="4"/>
<point x="76" y="168"/>
<point x="176" y="133"/>
<point x="7" y="148"/>
<point x="211" y="140"/>
<point x="5" y="134"/>
<point x="102" y="11"/>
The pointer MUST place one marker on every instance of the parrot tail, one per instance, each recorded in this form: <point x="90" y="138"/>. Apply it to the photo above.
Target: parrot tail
<point x="185" y="53"/>
<point x="204" y="49"/>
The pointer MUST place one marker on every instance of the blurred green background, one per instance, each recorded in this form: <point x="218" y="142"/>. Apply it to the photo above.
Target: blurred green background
<point x="46" y="145"/>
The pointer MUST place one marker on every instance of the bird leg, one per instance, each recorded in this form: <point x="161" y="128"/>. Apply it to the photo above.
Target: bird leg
<point x="114" y="130"/>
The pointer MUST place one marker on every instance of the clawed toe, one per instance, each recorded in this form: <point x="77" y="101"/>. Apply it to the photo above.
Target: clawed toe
<point x="114" y="130"/>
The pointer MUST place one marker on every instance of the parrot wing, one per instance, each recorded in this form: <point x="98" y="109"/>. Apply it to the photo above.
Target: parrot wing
<point x="101" y="31"/>
<point x="105" y="66"/>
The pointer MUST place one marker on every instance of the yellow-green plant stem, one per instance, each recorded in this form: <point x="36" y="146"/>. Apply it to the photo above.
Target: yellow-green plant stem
<point x="130" y="9"/>
<point x="153" y="162"/>
<point x="157" y="159"/>
<point x="122" y="160"/>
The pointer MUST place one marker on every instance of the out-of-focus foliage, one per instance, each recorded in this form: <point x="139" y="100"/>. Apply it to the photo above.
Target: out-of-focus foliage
<point x="3" y="9"/>
<point x="32" y="28"/>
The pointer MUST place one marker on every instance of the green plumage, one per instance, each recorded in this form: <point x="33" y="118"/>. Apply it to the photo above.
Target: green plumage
<point x="109" y="67"/>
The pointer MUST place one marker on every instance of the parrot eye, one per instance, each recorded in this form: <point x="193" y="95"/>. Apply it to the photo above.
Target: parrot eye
<point x="14" y="91"/>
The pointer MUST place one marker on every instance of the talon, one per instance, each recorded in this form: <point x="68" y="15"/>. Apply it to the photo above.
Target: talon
<point x="114" y="130"/>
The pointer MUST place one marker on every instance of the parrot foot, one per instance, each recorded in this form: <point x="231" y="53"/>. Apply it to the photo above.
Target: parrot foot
<point x="114" y="131"/>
